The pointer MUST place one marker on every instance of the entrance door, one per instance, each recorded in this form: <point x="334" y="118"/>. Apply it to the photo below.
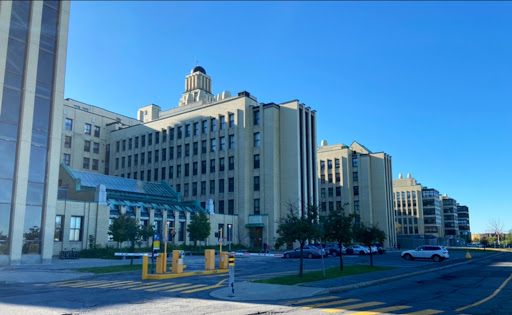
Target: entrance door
<point x="256" y="237"/>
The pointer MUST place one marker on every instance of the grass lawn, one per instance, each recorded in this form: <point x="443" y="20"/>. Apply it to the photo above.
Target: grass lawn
<point x="330" y="273"/>
<point x="112" y="269"/>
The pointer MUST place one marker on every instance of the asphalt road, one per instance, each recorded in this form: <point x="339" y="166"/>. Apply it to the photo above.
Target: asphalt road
<point x="431" y="293"/>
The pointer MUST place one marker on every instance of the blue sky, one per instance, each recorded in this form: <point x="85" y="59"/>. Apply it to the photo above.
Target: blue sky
<point x="427" y="82"/>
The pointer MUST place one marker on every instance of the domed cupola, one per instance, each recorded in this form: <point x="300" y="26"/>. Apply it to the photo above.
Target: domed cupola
<point x="198" y="69"/>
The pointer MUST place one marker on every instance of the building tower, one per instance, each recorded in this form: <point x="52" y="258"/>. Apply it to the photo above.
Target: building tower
<point x="33" y="44"/>
<point x="198" y="88"/>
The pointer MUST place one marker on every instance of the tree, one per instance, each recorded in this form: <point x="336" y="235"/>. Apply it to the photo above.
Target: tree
<point x="398" y="228"/>
<point x="199" y="227"/>
<point x="298" y="228"/>
<point x="124" y="228"/>
<point x="484" y="241"/>
<point x="496" y="227"/>
<point x="338" y="228"/>
<point x="368" y="236"/>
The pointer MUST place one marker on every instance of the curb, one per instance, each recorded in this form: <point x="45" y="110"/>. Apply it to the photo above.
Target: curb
<point x="385" y="280"/>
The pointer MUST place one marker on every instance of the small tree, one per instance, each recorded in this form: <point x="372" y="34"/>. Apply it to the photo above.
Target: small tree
<point x="368" y="236"/>
<point x="199" y="227"/>
<point x="496" y="227"/>
<point x="398" y="228"/>
<point x="338" y="228"/>
<point x="298" y="228"/>
<point x="124" y="228"/>
<point x="484" y="241"/>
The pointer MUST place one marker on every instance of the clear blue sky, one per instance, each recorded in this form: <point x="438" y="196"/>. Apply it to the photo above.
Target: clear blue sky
<point x="429" y="83"/>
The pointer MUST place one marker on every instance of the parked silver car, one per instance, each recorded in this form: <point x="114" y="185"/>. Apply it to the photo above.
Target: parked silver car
<point x="308" y="251"/>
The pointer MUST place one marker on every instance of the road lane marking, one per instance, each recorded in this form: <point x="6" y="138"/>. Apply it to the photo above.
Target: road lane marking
<point x="83" y="284"/>
<point x="218" y="285"/>
<point x="351" y="307"/>
<point x="329" y="303"/>
<point x="112" y="284"/>
<point x="186" y="288"/>
<point x="425" y="312"/>
<point x="168" y="286"/>
<point x="487" y="298"/>
<point x="310" y="300"/>
<point x="378" y="311"/>
<point x="152" y="285"/>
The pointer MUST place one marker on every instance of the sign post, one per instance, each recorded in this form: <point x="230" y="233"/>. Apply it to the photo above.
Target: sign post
<point x="231" y="269"/>
<point x="229" y="236"/>
<point x="156" y="247"/>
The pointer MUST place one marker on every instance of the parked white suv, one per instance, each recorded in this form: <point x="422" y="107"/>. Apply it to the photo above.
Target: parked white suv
<point x="434" y="252"/>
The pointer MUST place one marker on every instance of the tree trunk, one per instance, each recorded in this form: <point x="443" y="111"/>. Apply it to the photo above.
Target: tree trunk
<point x="132" y="249"/>
<point x="371" y="256"/>
<point x="341" y="257"/>
<point x="301" y="268"/>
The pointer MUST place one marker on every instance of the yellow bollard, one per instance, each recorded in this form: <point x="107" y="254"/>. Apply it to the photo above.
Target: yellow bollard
<point x="468" y="256"/>
<point x="209" y="259"/>
<point x="177" y="261"/>
<point x="144" y="267"/>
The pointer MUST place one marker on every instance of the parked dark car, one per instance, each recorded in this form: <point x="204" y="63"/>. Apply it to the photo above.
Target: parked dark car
<point x="357" y="250"/>
<point x="380" y="248"/>
<point x="334" y="250"/>
<point x="308" y="251"/>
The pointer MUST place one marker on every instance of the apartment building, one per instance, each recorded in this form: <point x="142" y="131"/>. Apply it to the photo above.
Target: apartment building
<point x="33" y="45"/>
<point x="86" y="133"/>
<point x="250" y="159"/>
<point x="450" y="216"/>
<point x="464" y="225"/>
<point x="408" y="203"/>
<point x="360" y="181"/>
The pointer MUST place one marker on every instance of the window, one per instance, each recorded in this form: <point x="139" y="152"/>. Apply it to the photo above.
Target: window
<point x="96" y="147"/>
<point x="123" y="159"/>
<point x="231" y="161"/>
<point x="322" y="192"/>
<point x="322" y="178"/>
<point x="256" y="206"/>
<point x="149" y="157"/>
<point x="142" y="161"/>
<point x="130" y="144"/>
<point x="203" y="167"/>
<point x="171" y="172"/>
<point x="231" y="120"/>
<point x="213" y="145"/>
<point x="205" y="126"/>
<point x="195" y="148"/>
<point x="355" y="176"/>
<point x="164" y="154"/>
<point x="196" y="128"/>
<point x="97" y="131"/>
<point x="203" y="146"/>
<point x="231" y="141"/>
<point x="329" y="164"/>
<point x="171" y="134"/>
<point x="231" y="184"/>
<point x="356" y="190"/>
<point x="256" y="139"/>
<point x="322" y="165"/>
<point x="221" y="164"/>
<point x="231" y="206"/>
<point x="157" y="137"/>
<point x="256" y="161"/>
<point x="187" y="149"/>
<point x="329" y="178"/>
<point x="338" y="191"/>
<point x="95" y="164"/>
<point x="187" y="169"/>
<point x="150" y="139"/>
<point x="136" y="142"/>
<point x="171" y="153"/>
<point x="117" y="163"/>
<point x="141" y="175"/>
<point x="117" y="146"/>
<point x="330" y="192"/>
<point x="149" y="175"/>
<point x="178" y="171"/>
<point x="155" y="175"/>
<point x="187" y="130"/>
<point x="222" y="122"/>
<point x="194" y="189"/>
<point x="331" y="205"/>
<point x="221" y="186"/>
<point x="87" y="146"/>
<point x="86" y="163"/>
<point x="356" y="205"/>
<point x="256" y="117"/>
<point x="338" y="179"/>
<point x="135" y="160"/>
<point x="124" y="145"/>
<point x="212" y="166"/>
<point x="222" y="143"/>
<point x="69" y="124"/>
<point x="87" y="130"/>
<point x="212" y="186"/>
<point x="143" y="141"/>
<point x="194" y="168"/>
<point x="67" y="141"/>
<point x="185" y="190"/>
<point x="221" y="207"/>
<point x="213" y="125"/>
<point x="75" y="229"/>
<point x="157" y="155"/>
<point x="164" y="135"/>
<point x="337" y="163"/>
<point x="354" y="161"/>
<point x="67" y="159"/>
<point x="178" y="151"/>
<point x="203" y="188"/>
<point x="256" y="183"/>
<point x="59" y="228"/>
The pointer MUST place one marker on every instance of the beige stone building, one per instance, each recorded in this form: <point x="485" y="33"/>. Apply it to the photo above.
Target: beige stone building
<point x="33" y="44"/>
<point x="360" y="181"/>
<point x="85" y="135"/>
<point x="88" y="202"/>
<point x="408" y="203"/>
<point x="235" y="155"/>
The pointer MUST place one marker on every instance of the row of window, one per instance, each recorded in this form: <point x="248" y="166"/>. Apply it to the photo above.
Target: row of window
<point x="86" y="163"/>
<point x="88" y="128"/>
<point x="398" y="194"/>
<point x="330" y="192"/>
<point x="329" y="164"/>
<point x="87" y="145"/>
<point x="75" y="228"/>
<point x="408" y="212"/>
